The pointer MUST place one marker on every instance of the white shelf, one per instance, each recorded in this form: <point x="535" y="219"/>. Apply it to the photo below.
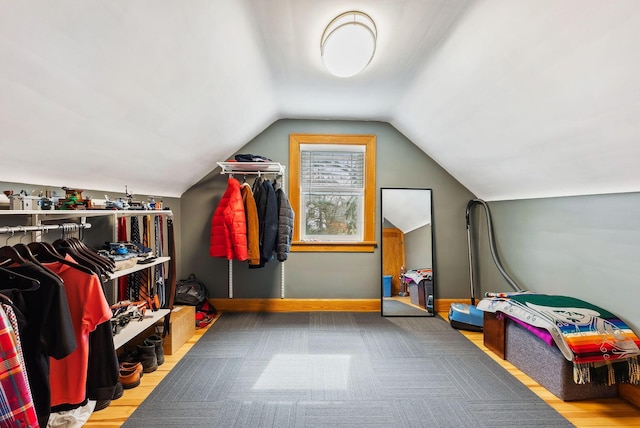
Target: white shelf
<point x="136" y="268"/>
<point x="251" y="168"/>
<point x="85" y="213"/>
<point x="59" y="214"/>
<point x="134" y="328"/>
<point x="133" y="213"/>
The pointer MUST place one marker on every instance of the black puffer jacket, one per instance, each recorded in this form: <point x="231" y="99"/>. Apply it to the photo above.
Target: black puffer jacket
<point x="267" y="205"/>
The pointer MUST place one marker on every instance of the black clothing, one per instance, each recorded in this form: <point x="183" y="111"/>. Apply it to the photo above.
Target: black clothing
<point x="267" y="206"/>
<point x="45" y="329"/>
<point x="103" y="370"/>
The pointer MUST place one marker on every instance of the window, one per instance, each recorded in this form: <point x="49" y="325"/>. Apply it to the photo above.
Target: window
<point x="332" y="192"/>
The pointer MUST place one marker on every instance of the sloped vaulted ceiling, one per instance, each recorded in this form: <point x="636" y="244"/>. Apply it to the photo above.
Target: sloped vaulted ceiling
<point x="516" y="99"/>
<point x="101" y="94"/>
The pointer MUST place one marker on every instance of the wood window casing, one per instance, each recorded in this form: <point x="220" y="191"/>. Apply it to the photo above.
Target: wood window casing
<point x="368" y="243"/>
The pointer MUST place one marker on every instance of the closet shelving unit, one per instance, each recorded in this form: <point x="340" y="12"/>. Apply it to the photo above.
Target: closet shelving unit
<point x="259" y="169"/>
<point x="134" y="328"/>
<point x="36" y="222"/>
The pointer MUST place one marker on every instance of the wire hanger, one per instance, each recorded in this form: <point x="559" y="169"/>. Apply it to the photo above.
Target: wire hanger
<point x="12" y="233"/>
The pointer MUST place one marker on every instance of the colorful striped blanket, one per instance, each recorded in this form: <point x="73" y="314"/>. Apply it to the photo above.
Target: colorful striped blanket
<point x="603" y="349"/>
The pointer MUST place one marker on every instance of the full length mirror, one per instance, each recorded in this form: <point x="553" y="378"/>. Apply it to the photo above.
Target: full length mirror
<point x="407" y="252"/>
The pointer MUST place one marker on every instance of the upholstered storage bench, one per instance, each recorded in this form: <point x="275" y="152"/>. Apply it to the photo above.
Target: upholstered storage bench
<point x="543" y="363"/>
<point x="547" y="366"/>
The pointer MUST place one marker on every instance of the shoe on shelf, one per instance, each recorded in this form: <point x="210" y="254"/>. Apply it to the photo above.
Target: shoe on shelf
<point x="145" y="354"/>
<point x="129" y="377"/>
<point x="118" y="392"/>
<point x="156" y="341"/>
<point x="132" y="364"/>
<point x="101" y="405"/>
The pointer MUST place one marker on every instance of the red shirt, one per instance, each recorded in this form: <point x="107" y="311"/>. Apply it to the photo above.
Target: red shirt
<point x="89" y="308"/>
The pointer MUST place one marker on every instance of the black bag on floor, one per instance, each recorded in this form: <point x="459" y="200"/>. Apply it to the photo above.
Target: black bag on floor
<point x="190" y="291"/>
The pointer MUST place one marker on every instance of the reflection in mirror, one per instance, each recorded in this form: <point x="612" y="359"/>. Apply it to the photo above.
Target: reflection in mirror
<point x="407" y="252"/>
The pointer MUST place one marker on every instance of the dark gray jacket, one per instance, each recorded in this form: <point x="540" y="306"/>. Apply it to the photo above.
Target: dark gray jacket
<point x="285" y="226"/>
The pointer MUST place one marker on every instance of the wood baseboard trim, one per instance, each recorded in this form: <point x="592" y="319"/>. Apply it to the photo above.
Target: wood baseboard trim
<point x="443" y="305"/>
<point x="310" y="305"/>
<point x="296" y="305"/>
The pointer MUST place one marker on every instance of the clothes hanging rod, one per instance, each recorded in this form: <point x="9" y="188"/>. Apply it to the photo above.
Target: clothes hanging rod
<point x="251" y="168"/>
<point x="67" y="227"/>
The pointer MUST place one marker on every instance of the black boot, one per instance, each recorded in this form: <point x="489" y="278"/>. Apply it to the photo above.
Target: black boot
<point x="156" y="341"/>
<point x="146" y="354"/>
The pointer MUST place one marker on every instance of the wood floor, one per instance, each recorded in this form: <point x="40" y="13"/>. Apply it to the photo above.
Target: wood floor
<point x="610" y="412"/>
<point x="119" y="410"/>
<point x="590" y="413"/>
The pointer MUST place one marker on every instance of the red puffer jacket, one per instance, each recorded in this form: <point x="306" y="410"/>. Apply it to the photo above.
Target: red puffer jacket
<point x="229" y="225"/>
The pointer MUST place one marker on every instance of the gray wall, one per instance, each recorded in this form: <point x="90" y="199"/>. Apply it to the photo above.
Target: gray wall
<point x="586" y="247"/>
<point x="330" y="275"/>
<point x="417" y="245"/>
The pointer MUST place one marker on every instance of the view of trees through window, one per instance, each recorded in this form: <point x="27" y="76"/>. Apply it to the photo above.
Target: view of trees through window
<point x="332" y="215"/>
<point x="332" y="190"/>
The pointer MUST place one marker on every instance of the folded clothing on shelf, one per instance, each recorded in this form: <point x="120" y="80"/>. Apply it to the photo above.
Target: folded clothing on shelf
<point x="120" y="252"/>
<point x="247" y="157"/>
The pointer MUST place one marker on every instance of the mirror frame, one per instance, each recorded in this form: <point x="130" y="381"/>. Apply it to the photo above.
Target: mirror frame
<point x="427" y="313"/>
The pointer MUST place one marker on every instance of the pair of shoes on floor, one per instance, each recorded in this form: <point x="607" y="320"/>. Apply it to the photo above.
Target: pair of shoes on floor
<point x="130" y="374"/>
<point x="203" y="319"/>
<point x="117" y="393"/>
<point x="150" y="354"/>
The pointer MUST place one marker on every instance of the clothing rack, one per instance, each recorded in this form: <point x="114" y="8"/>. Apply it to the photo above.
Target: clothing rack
<point x="259" y="169"/>
<point x="65" y="227"/>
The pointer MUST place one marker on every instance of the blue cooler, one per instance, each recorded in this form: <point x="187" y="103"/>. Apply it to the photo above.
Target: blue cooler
<point x="386" y="285"/>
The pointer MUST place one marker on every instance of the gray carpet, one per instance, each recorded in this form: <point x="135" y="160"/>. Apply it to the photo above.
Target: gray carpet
<point x="337" y="369"/>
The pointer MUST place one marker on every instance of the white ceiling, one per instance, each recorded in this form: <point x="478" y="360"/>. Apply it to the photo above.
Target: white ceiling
<point x="516" y="99"/>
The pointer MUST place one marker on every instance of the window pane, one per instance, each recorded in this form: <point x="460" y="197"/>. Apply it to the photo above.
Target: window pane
<point x="331" y="170"/>
<point x="332" y="217"/>
<point x="332" y="190"/>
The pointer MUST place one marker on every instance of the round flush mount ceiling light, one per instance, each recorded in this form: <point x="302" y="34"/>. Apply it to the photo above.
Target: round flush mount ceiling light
<point x="348" y="43"/>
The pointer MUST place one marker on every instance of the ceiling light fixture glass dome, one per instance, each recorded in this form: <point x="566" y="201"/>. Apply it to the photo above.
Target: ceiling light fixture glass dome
<point x="348" y="43"/>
